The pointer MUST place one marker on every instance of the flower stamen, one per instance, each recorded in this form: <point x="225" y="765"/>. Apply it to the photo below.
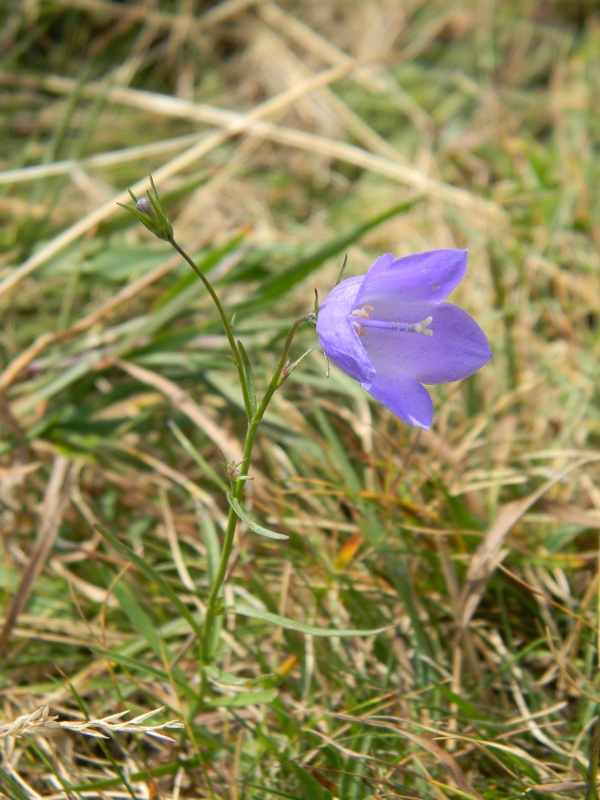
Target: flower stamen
<point x="367" y="322"/>
<point x="360" y="329"/>
<point x="362" y="313"/>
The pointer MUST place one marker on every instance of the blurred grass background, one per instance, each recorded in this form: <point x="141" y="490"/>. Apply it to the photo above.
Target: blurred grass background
<point x="282" y="135"/>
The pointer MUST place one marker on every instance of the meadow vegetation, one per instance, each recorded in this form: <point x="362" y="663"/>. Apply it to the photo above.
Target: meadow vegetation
<point x="282" y="136"/>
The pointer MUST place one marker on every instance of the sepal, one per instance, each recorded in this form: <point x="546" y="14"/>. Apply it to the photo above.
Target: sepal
<point x="151" y="213"/>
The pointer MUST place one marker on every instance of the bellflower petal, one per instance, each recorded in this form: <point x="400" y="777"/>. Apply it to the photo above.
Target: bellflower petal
<point x="405" y="397"/>
<point x="427" y="276"/>
<point x="336" y="334"/>
<point x="390" y="331"/>
<point x="457" y="349"/>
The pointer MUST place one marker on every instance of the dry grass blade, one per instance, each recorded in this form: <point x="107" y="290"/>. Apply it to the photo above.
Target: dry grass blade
<point x="571" y="514"/>
<point x="490" y="553"/>
<point x="235" y="123"/>
<point x="50" y="517"/>
<point x="230" y="447"/>
<point x="253" y="124"/>
<point x="426" y="743"/>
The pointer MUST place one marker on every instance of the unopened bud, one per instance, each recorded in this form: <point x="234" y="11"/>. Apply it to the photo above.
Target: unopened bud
<point x="145" y="206"/>
<point x="149" y="210"/>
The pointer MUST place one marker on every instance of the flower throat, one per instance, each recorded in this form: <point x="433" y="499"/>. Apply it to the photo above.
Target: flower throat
<point x="362" y="314"/>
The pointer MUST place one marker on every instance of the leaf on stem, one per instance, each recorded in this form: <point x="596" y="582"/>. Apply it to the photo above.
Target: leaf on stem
<point x="249" y="375"/>
<point x="246" y="610"/>
<point x="254" y="526"/>
<point x="289" y="368"/>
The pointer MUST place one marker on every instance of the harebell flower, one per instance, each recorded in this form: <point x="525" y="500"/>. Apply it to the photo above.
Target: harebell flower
<point x="391" y="331"/>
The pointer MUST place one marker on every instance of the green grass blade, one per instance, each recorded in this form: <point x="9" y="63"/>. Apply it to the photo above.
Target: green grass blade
<point x="152" y="576"/>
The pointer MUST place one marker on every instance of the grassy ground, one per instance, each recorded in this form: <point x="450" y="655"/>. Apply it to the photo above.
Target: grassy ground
<point x="282" y="136"/>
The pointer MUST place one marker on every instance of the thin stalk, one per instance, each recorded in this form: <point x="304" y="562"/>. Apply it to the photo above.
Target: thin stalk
<point x="226" y="325"/>
<point x="238" y="486"/>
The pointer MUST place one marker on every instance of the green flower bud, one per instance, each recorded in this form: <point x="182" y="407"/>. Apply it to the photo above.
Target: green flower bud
<point x="149" y="210"/>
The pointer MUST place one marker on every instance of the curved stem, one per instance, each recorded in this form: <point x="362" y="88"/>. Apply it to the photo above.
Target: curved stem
<point x="238" y="493"/>
<point x="226" y="325"/>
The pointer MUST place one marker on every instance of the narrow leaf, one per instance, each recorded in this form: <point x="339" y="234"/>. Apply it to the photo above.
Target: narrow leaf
<point x="10" y="788"/>
<point x="227" y="679"/>
<point x="249" y="375"/>
<point x="254" y="526"/>
<point x="289" y="369"/>
<point x="283" y="281"/>
<point x="291" y="625"/>
<point x="149" y="672"/>
<point x="245" y="699"/>
<point x="152" y="575"/>
<point x="142" y="623"/>
<point x="193" y="453"/>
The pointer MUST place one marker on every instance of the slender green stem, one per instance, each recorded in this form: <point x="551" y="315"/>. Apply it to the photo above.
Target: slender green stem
<point x="154" y="217"/>
<point x="238" y="485"/>
<point x="226" y="325"/>
<point x="212" y="605"/>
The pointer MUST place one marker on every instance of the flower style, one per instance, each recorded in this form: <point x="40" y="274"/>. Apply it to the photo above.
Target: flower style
<point x="390" y="330"/>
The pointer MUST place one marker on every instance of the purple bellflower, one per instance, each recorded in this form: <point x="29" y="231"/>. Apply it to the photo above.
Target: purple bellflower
<point x="390" y="330"/>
